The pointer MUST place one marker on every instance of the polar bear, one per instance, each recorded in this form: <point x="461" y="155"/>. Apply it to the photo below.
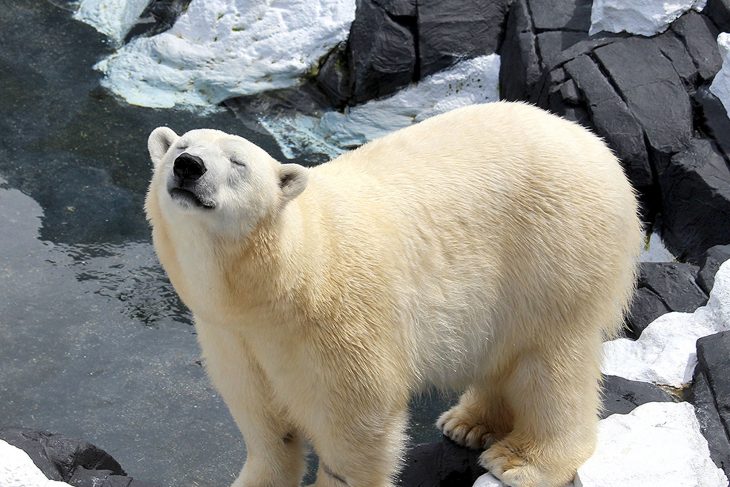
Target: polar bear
<point x="489" y="250"/>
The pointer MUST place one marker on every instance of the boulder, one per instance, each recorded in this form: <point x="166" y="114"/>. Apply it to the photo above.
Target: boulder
<point x="621" y="396"/>
<point x="713" y="360"/>
<point x="398" y="8"/>
<point x="674" y="49"/>
<point x="674" y="283"/>
<point x="700" y="36"/>
<point x="645" y="18"/>
<point x="646" y="306"/>
<point x="440" y="464"/>
<point x="333" y="77"/>
<point x="521" y="69"/>
<point x="450" y="30"/>
<point x="569" y="15"/>
<point x="382" y="53"/>
<point x="695" y="191"/>
<point x="700" y="395"/>
<point x="711" y="262"/>
<point x="159" y="16"/>
<point x="719" y="12"/>
<point x="713" y="118"/>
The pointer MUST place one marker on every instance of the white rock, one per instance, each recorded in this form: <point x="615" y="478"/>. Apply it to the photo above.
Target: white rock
<point x="468" y="82"/>
<point x="487" y="480"/>
<point x="113" y="18"/>
<point x="18" y="470"/>
<point x="644" y="17"/>
<point x="720" y="86"/>
<point x="656" y="251"/>
<point x="223" y="48"/>
<point x="665" y="353"/>
<point x="656" y="444"/>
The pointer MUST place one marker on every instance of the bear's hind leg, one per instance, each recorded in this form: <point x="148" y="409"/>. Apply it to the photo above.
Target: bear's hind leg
<point x="481" y="417"/>
<point x="554" y="401"/>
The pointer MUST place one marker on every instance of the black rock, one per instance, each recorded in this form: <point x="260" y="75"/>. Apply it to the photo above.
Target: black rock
<point x="711" y="262"/>
<point x="695" y="191"/>
<point x="520" y="68"/>
<point x="382" y="53"/>
<point x="440" y="464"/>
<point x="646" y="81"/>
<point x="69" y="460"/>
<point x="157" y="17"/>
<point x="719" y="12"/>
<point x="572" y="15"/>
<point x="450" y="30"/>
<point x="700" y="37"/>
<point x="398" y="8"/>
<point x="646" y="306"/>
<point x="672" y="46"/>
<point x="714" y="119"/>
<point x="621" y="396"/>
<point x="674" y="283"/>
<point x="711" y="426"/>
<point x="333" y="77"/>
<point x="553" y="43"/>
<point x="612" y="119"/>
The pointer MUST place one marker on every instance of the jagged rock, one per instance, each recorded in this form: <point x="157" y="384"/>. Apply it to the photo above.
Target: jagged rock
<point x="720" y="86"/>
<point x="70" y="460"/>
<point x="334" y="76"/>
<point x="440" y="464"/>
<point x="382" y="53"/>
<point x="714" y="118"/>
<point x="719" y="12"/>
<point x="700" y="37"/>
<point x="711" y="262"/>
<point x="553" y="43"/>
<point x="612" y="119"/>
<point x="573" y="15"/>
<point x="621" y="396"/>
<point x="644" y="78"/>
<point x="646" y="306"/>
<point x="672" y="46"/>
<point x="710" y="423"/>
<point x="520" y="66"/>
<point x="449" y="30"/>
<point x="696" y="199"/>
<point x="398" y="8"/>
<point x="159" y="16"/>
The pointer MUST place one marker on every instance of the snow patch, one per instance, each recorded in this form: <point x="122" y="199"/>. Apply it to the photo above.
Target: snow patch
<point x="219" y="49"/>
<point x="656" y="251"/>
<point x="18" y="470"/>
<point x="665" y="353"/>
<point x="644" y="17"/>
<point x="658" y="443"/>
<point x="720" y="86"/>
<point x="112" y="18"/>
<point x="467" y="83"/>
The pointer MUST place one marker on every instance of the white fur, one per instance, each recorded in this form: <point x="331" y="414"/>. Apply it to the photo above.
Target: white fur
<point x="489" y="249"/>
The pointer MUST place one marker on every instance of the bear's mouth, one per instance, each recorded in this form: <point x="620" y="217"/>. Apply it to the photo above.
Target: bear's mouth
<point x="186" y="196"/>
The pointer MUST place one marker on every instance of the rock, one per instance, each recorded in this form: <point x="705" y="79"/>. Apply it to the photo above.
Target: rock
<point x="695" y="192"/>
<point x="621" y="396"/>
<point x="570" y="15"/>
<point x="612" y="119"/>
<point x="711" y="262"/>
<point x="17" y="469"/>
<point x="219" y="49"/>
<point x="674" y="49"/>
<point x="646" y="18"/>
<point x="665" y="352"/>
<point x="710" y="423"/>
<point x="487" y="480"/>
<point x="113" y="18"/>
<point x="674" y="283"/>
<point x="713" y="357"/>
<point x="398" y="8"/>
<point x="642" y="77"/>
<point x="65" y="459"/>
<point x="451" y="30"/>
<point x="699" y="35"/>
<point x="713" y="118"/>
<point x="334" y="76"/>
<point x="720" y="86"/>
<point x="440" y="464"/>
<point x="646" y="306"/>
<point x="719" y="12"/>
<point x="656" y="444"/>
<point x="553" y="43"/>
<point x="159" y="16"/>
<point x="521" y="68"/>
<point x="382" y="53"/>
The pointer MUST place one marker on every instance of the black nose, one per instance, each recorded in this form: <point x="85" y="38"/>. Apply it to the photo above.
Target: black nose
<point x="188" y="167"/>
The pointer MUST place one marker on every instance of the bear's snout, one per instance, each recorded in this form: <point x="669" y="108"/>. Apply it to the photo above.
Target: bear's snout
<point x="188" y="168"/>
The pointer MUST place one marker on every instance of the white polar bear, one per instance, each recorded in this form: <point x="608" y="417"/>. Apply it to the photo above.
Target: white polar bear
<point x="489" y="249"/>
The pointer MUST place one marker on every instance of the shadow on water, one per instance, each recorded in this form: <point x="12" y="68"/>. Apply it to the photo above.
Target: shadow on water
<point x="94" y="342"/>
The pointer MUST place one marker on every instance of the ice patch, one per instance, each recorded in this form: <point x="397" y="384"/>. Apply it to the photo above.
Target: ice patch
<point x="112" y="18"/>
<point x="644" y="17"/>
<point x="467" y="83"/>
<point x="720" y="86"/>
<point x="656" y="251"/>
<point x="219" y="49"/>
<point x="18" y="470"/>
<point x="665" y="353"/>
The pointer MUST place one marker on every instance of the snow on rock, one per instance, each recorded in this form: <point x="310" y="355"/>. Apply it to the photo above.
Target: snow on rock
<point x="113" y="18"/>
<point x="223" y="48"/>
<point x="644" y="17"/>
<point x="665" y="353"/>
<point x="721" y="84"/>
<point x="466" y="83"/>
<point x="18" y="470"/>
<point x="656" y="251"/>
<point x="658" y="443"/>
<point x="487" y="480"/>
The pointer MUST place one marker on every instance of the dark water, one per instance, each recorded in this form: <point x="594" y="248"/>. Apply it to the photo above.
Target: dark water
<point x="93" y="341"/>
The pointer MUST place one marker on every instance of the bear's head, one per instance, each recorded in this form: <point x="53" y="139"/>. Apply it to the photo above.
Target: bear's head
<point x="221" y="181"/>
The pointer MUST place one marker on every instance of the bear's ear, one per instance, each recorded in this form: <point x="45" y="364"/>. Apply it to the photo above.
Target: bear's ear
<point x="292" y="180"/>
<point x="159" y="142"/>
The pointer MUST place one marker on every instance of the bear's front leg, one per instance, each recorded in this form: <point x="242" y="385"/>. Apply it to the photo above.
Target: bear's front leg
<point x="275" y="449"/>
